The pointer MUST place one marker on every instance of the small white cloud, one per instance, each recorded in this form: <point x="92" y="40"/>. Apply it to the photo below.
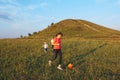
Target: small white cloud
<point x="12" y="2"/>
<point x="112" y="18"/>
<point x="44" y="4"/>
<point x="5" y="17"/>
<point x="32" y="7"/>
<point x="3" y="7"/>
<point x="101" y="1"/>
<point x="58" y="0"/>
<point x="118" y="2"/>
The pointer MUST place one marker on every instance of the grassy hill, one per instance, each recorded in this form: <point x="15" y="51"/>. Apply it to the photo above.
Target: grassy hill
<point x="93" y="58"/>
<point x="79" y="29"/>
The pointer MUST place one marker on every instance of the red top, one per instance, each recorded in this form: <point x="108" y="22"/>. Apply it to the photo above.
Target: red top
<point x="57" y="43"/>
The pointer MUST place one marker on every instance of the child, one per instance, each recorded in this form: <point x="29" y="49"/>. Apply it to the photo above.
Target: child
<point x="45" y="47"/>
<point x="57" y="50"/>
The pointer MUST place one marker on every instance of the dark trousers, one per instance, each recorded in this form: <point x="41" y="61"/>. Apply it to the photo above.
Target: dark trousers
<point x="57" y="53"/>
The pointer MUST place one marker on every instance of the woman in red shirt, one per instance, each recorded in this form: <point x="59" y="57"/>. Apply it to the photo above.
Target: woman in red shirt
<point x="57" y="50"/>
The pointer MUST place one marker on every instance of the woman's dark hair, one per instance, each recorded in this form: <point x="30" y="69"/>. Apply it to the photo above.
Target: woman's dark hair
<point x="60" y="33"/>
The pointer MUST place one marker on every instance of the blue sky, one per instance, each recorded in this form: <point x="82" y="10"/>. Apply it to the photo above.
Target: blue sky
<point x="20" y="17"/>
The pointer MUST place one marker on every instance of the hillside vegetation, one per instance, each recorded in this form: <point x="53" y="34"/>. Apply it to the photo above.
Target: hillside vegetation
<point x="92" y="49"/>
<point x="78" y="28"/>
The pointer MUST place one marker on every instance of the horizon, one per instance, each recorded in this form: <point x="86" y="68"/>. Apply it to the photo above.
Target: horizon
<point x="18" y="17"/>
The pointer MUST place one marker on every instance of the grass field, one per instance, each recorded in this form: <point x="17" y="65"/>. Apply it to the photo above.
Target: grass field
<point x="24" y="59"/>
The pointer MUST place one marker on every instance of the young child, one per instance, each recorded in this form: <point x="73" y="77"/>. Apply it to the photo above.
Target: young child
<point x="57" y="50"/>
<point x="45" y="47"/>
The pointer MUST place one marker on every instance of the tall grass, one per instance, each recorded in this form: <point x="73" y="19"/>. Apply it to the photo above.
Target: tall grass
<point x="24" y="59"/>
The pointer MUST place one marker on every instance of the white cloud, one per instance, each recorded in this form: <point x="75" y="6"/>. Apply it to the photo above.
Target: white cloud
<point x="101" y="1"/>
<point x="5" y="17"/>
<point x="36" y="6"/>
<point x="10" y="7"/>
<point x="2" y="7"/>
<point x="16" y="10"/>
<point x="118" y="2"/>
<point x="114" y="2"/>
<point x="20" y="16"/>
<point x="43" y="4"/>
<point x="32" y="7"/>
<point x="13" y="2"/>
<point x="58" y="0"/>
<point x="112" y="18"/>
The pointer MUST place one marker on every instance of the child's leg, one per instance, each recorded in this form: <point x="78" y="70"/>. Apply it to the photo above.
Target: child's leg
<point x="45" y="50"/>
<point x="54" y="55"/>
<point x="60" y="56"/>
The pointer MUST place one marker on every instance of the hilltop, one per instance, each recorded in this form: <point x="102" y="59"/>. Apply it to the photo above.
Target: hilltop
<point x="79" y="29"/>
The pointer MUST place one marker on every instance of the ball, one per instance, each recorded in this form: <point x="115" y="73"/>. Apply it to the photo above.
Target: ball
<point x="70" y="66"/>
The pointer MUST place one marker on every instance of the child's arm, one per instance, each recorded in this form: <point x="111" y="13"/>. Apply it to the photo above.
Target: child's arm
<point x="56" y="44"/>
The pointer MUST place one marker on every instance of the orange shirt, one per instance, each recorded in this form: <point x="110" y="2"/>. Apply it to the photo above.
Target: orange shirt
<point x="57" y="43"/>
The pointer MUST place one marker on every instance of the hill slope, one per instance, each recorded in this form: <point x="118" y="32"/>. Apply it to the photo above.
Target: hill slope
<point x="78" y="28"/>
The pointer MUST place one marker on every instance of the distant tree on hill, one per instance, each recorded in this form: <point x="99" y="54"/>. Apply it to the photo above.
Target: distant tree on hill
<point x="29" y="34"/>
<point x="34" y="32"/>
<point x="52" y="24"/>
<point x="21" y="36"/>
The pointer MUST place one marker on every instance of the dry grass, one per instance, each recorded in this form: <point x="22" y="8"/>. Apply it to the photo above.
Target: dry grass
<point x="24" y="59"/>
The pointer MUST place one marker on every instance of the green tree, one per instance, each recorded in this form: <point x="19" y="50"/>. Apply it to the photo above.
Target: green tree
<point x="29" y="34"/>
<point x="34" y="32"/>
<point x="52" y="24"/>
<point x="21" y="36"/>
